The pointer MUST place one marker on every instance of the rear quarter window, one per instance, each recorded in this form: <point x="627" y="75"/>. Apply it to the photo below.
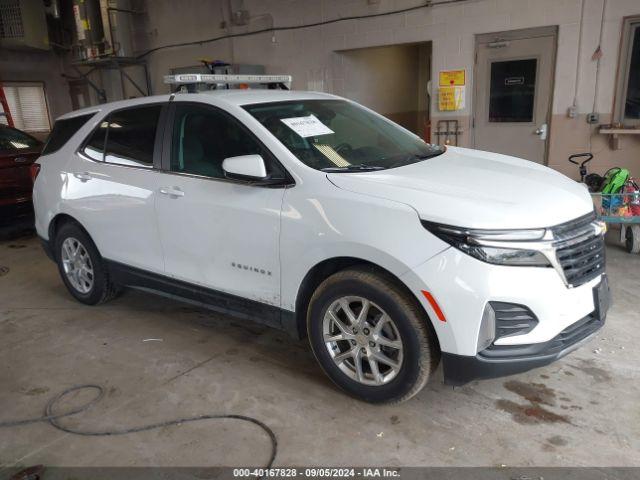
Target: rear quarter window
<point x="63" y="130"/>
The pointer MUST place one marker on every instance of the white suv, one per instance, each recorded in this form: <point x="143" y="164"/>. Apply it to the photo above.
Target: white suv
<point x="313" y="214"/>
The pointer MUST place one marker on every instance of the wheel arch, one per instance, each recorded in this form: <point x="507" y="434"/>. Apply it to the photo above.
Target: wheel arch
<point x="324" y="269"/>
<point x="58" y="221"/>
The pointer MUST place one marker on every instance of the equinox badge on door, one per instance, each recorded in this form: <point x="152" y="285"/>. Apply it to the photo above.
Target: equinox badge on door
<point x="249" y="268"/>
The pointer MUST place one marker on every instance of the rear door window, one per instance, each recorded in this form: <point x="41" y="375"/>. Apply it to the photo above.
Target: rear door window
<point x="63" y="130"/>
<point x="131" y="135"/>
<point x="94" y="147"/>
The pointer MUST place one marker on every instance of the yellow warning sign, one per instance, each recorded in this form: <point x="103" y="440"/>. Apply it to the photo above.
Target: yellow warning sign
<point x="452" y="78"/>
<point x="451" y="99"/>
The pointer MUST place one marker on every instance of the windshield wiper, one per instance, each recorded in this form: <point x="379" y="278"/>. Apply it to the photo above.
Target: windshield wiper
<point x="412" y="159"/>
<point x="353" y="168"/>
<point x="427" y="156"/>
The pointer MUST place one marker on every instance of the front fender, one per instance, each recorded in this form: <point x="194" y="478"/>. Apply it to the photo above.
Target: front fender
<point x="339" y="223"/>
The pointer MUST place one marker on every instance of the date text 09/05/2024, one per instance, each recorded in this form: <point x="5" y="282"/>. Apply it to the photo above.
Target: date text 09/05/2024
<point x="319" y="472"/>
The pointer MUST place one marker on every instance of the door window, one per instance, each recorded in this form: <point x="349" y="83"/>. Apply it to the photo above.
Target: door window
<point x="131" y="136"/>
<point x="512" y="90"/>
<point x="203" y="137"/>
<point x="94" y="147"/>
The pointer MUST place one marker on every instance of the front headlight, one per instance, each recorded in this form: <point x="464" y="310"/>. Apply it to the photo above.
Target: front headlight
<point x="474" y="242"/>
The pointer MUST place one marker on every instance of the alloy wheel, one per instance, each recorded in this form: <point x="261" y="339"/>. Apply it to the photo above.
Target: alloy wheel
<point x="77" y="265"/>
<point x="363" y="341"/>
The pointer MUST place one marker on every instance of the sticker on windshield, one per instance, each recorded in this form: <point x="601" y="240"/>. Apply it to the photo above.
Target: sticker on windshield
<point x="307" y="126"/>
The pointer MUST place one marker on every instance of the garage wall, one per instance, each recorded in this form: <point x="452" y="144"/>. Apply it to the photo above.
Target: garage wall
<point x="38" y="67"/>
<point x="308" y="54"/>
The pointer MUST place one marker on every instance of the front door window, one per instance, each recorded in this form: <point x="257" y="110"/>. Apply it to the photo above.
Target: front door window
<point x="203" y="137"/>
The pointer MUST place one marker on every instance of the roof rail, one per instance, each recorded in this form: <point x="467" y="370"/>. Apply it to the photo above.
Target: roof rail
<point x="215" y="80"/>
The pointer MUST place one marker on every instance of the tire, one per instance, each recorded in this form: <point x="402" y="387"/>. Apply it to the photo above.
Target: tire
<point x="101" y="288"/>
<point x="415" y="357"/>
<point x="632" y="238"/>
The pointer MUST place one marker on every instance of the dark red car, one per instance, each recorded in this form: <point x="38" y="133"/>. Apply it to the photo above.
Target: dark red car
<point x="18" y="151"/>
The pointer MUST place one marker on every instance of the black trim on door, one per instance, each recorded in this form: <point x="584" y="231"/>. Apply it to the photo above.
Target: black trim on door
<point x="221" y="302"/>
<point x="217" y="301"/>
<point x="158" y="144"/>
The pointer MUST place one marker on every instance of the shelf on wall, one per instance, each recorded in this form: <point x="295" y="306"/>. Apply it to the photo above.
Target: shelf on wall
<point x="84" y="68"/>
<point x="614" y="135"/>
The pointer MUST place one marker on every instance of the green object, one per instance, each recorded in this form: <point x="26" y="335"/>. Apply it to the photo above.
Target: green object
<point x="614" y="180"/>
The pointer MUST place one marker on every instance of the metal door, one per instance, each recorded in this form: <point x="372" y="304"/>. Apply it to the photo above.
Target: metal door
<point x="514" y="81"/>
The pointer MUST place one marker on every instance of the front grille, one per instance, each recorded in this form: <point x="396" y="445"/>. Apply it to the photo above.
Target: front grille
<point x="512" y="319"/>
<point x="579" y="250"/>
<point x="573" y="228"/>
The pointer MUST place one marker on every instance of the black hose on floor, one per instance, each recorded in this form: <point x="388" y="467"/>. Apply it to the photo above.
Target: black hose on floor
<point x="53" y="419"/>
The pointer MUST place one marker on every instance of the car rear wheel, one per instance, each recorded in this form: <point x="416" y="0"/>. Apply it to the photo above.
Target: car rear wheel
<point x="370" y="336"/>
<point x="81" y="266"/>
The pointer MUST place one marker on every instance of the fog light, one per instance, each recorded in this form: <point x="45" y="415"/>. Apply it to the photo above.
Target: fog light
<point x="487" y="328"/>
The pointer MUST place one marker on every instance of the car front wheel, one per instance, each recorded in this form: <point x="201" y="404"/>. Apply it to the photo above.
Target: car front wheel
<point x="370" y="336"/>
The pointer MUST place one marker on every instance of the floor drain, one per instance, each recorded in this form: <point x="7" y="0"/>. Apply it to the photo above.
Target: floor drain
<point x="3" y="270"/>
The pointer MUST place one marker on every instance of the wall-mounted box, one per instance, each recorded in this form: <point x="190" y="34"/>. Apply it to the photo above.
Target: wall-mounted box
<point x="23" y="25"/>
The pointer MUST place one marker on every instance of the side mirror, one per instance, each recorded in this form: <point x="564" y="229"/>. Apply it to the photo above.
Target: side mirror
<point x="250" y="168"/>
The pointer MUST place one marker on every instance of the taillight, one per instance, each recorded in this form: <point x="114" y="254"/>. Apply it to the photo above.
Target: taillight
<point x="34" y="170"/>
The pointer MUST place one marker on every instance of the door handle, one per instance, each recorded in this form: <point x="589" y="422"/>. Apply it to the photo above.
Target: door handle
<point x="21" y="159"/>
<point x="174" y="192"/>
<point x="542" y="131"/>
<point x="83" y="177"/>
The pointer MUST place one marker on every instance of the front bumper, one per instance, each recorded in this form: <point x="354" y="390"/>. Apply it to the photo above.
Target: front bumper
<point x="500" y="361"/>
<point x="463" y="286"/>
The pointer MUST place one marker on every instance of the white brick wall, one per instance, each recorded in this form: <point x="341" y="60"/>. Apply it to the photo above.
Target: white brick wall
<point x="308" y="54"/>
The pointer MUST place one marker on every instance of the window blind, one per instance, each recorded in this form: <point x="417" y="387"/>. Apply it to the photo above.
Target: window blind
<point x="28" y="106"/>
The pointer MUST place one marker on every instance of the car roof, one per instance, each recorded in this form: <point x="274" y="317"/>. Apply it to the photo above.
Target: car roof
<point x="114" y="106"/>
<point x="239" y="97"/>
<point x="234" y="97"/>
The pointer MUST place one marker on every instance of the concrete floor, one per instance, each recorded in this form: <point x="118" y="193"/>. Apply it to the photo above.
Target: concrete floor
<point x="581" y="411"/>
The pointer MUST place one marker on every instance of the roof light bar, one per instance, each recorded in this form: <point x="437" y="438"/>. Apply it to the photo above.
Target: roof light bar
<point x="190" y="78"/>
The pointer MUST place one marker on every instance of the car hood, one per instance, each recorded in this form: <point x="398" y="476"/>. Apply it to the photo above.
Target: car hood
<point x="475" y="189"/>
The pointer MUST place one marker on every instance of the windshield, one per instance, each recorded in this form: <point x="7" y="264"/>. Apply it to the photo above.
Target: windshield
<point x="336" y="135"/>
